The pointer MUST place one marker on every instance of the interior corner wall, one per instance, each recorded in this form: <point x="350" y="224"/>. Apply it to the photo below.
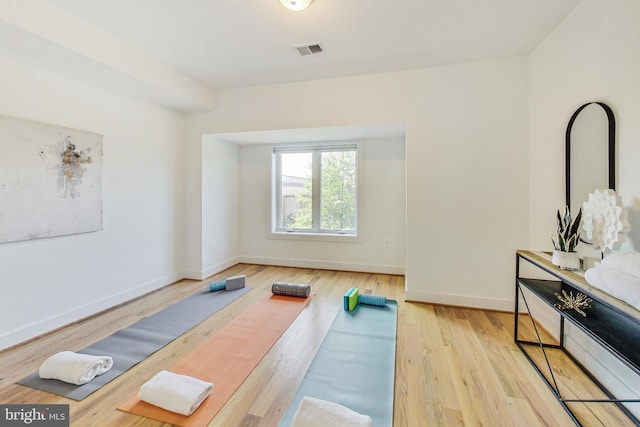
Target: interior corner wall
<point x="466" y="162"/>
<point x="220" y="199"/>
<point x="193" y="202"/>
<point x="593" y="55"/>
<point x="47" y="283"/>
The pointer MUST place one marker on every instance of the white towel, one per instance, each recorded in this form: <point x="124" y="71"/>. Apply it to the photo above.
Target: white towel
<point x="314" y="412"/>
<point x="618" y="284"/>
<point x="174" y="392"/>
<point x="626" y="262"/>
<point x="74" y="368"/>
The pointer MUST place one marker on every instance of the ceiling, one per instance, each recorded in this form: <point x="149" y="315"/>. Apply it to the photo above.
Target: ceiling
<point x="232" y="43"/>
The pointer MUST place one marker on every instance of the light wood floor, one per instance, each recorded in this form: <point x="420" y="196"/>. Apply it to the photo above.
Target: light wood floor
<point x="454" y="366"/>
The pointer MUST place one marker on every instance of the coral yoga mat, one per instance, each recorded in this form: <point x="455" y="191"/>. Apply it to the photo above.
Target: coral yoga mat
<point x="227" y="358"/>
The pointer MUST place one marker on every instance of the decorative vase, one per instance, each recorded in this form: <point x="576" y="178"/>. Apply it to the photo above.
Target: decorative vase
<point x="566" y="260"/>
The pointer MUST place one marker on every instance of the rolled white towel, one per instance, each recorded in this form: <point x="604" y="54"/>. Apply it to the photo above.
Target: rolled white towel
<point x="74" y="368"/>
<point x="618" y="284"/>
<point x="626" y="262"/>
<point x="175" y="392"/>
<point x="314" y="412"/>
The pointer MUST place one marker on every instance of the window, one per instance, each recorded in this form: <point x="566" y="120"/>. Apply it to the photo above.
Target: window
<point x="315" y="189"/>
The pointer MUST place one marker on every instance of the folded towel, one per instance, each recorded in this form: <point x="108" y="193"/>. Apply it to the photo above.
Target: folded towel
<point x="618" y="284"/>
<point x="174" y="392"/>
<point x="74" y="368"/>
<point x="314" y="412"/>
<point x="626" y="262"/>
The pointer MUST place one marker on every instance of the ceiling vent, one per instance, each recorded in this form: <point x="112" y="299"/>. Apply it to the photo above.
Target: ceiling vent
<point x="309" y="49"/>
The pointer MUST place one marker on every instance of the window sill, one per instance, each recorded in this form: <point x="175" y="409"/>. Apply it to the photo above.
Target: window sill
<point x="316" y="237"/>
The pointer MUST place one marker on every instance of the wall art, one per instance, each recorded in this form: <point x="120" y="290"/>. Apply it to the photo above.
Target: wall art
<point x="50" y="180"/>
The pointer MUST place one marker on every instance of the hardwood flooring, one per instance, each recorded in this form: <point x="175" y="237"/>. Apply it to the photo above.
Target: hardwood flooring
<point x="454" y="366"/>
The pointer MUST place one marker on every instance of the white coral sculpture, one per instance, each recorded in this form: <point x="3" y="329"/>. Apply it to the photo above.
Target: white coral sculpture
<point x="604" y="220"/>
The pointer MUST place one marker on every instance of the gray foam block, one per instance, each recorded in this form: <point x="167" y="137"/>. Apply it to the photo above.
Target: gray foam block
<point x="235" y="282"/>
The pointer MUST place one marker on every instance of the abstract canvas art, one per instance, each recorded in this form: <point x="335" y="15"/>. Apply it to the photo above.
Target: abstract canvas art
<point x="50" y="180"/>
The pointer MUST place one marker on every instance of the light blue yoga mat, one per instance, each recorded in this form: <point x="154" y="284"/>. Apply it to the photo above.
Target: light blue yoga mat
<point x="355" y="365"/>
<point x="133" y="344"/>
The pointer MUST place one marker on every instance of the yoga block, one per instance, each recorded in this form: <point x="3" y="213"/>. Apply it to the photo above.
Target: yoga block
<point x="235" y="282"/>
<point x="346" y="298"/>
<point x="351" y="299"/>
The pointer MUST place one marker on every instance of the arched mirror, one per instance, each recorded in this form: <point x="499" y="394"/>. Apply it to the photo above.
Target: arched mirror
<point x="590" y="153"/>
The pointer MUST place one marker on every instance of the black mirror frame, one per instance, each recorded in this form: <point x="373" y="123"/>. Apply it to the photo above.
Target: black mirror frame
<point x="611" y="144"/>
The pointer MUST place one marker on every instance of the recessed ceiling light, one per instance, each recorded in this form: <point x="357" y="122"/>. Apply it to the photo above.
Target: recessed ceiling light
<point x="296" y="5"/>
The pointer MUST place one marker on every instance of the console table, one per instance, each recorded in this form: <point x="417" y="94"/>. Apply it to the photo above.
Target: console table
<point x="610" y="322"/>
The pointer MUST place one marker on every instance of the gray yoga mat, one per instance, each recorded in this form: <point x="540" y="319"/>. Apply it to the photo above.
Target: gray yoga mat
<point x="131" y="345"/>
<point x="355" y="365"/>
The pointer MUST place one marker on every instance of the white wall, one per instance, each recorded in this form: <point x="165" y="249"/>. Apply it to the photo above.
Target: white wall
<point x="220" y="204"/>
<point x="193" y="176"/>
<point x="381" y="214"/>
<point x="211" y="200"/>
<point x="594" y="55"/>
<point x="466" y="164"/>
<point x="47" y="283"/>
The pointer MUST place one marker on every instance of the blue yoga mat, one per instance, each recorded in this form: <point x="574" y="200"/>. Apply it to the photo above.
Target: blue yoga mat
<point x="131" y="345"/>
<point x="355" y="365"/>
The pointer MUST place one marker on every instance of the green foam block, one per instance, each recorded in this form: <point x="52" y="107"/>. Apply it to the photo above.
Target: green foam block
<point x="345" y="299"/>
<point x="351" y="299"/>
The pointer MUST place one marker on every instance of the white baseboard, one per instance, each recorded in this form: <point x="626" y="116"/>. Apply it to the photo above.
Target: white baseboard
<point x="40" y="327"/>
<point x="192" y="274"/>
<point x="217" y="268"/>
<point x="460" y="300"/>
<point x="211" y="270"/>
<point x="323" y="265"/>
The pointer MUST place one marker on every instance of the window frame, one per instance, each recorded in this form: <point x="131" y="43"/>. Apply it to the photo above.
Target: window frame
<point x="316" y="149"/>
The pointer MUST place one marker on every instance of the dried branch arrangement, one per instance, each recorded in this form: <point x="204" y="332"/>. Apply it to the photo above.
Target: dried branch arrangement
<point x="579" y="302"/>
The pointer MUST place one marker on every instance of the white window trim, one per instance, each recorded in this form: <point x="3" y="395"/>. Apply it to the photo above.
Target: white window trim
<point x="319" y="235"/>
